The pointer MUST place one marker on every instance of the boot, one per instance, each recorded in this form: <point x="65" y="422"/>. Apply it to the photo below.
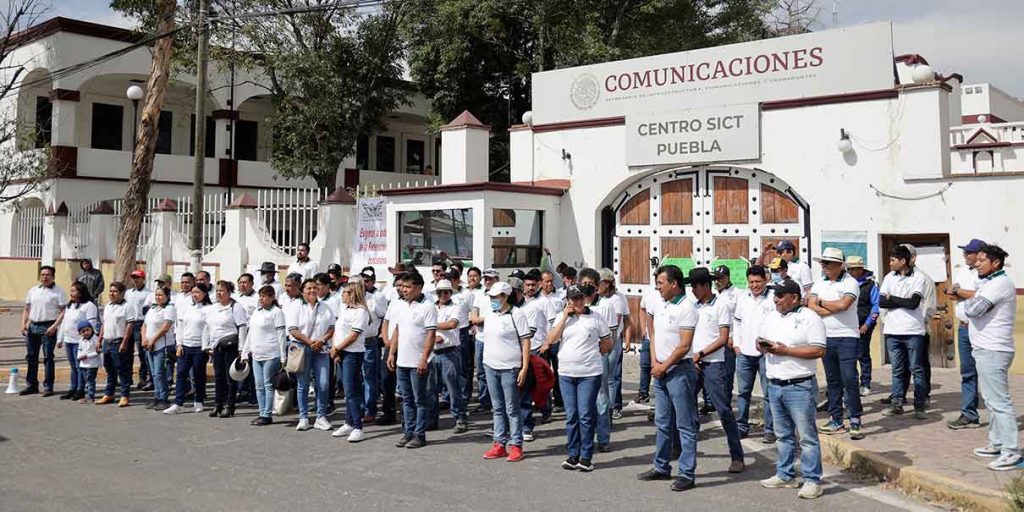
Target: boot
<point x="68" y="396"/>
<point x="79" y="395"/>
<point x="229" y="412"/>
<point x="216" y="411"/>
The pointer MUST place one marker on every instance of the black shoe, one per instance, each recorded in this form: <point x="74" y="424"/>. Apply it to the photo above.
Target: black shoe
<point x="744" y="434"/>
<point x="461" y="427"/>
<point x="893" y="410"/>
<point x="48" y="392"/>
<point x="604" y="448"/>
<point x="585" y="465"/>
<point x="78" y="396"/>
<point x="216" y="411"/>
<point x="163" y="404"/>
<point x="416" y="443"/>
<point x="148" y="386"/>
<point x="769" y="438"/>
<point x="140" y="385"/>
<point x="545" y="417"/>
<point x="68" y="396"/>
<point x="683" y="484"/>
<point x="151" y="405"/>
<point x="263" y="421"/>
<point x="228" y="413"/>
<point x="570" y="463"/>
<point x="885" y="400"/>
<point x="385" y="420"/>
<point x="403" y="442"/>
<point x="444" y="406"/>
<point x="28" y="391"/>
<point x="706" y="409"/>
<point x="652" y="475"/>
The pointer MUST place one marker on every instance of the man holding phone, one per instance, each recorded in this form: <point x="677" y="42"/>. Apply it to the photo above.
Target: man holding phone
<point x="793" y="337"/>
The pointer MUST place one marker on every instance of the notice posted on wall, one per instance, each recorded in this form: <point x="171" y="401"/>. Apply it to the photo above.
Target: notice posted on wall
<point x="371" y="240"/>
<point x="932" y="260"/>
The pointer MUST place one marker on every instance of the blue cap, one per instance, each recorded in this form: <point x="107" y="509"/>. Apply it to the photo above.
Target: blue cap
<point x="974" y="245"/>
<point x="83" y="324"/>
<point x="785" y="245"/>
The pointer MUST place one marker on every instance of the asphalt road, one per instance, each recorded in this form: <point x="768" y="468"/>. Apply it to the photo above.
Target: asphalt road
<point x="60" y="456"/>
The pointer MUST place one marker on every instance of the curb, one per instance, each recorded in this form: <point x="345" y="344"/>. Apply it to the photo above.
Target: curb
<point x="913" y="480"/>
<point x="62" y="374"/>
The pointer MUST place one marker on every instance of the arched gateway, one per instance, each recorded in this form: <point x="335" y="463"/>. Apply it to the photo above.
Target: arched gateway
<point x="706" y="213"/>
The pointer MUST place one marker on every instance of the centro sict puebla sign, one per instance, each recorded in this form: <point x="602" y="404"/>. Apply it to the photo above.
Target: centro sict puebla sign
<point x="661" y="95"/>
<point x="698" y="135"/>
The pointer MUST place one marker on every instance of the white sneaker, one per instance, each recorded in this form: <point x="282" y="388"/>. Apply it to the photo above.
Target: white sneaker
<point x="303" y="424"/>
<point x="197" y="407"/>
<point x="343" y="431"/>
<point x="322" y="423"/>
<point x="528" y="436"/>
<point x="1006" y="462"/>
<point x="777" y="483"/>
<point x="990" y="450"/>
<point x="356" y="435"/>
<point x="173" y="409"/>
<point x="865" y="391"/>
<point x="810" y="490"/>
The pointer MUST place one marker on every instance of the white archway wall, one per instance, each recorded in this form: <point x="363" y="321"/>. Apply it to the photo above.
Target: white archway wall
<point x="22" y="108"/>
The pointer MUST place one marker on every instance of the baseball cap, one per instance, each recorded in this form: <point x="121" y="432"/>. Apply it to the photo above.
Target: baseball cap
<point x="515" y="283"/>
<point x="974" y="245"/>
<point x="911" y="248"/>
<point x="578" y="291"/>
<point x="854" y="262"/>
<point x="368" y="273"/>
<point x="490" y="273"/>
<point x="699" y="275"/>
<point x="777" y="264"/>
<point x="721" y="271"/>
<point x="139" y="273"/>
<point x="606" y="274"/>
<point x="785" y="287"/>
<point x="518" y="274"/>
<point x="334" y="267"/>
<point x="163" y="278"/>
<point x="453" y="273"/>
<point x="785" y="245"/>
<point x="499" y="288"/>
<point x="443" y="285"/>
<point x="569" y="272"/>
<point x="831" y="254"/>
<point x="83" y="324"/>
<point x="532" y="275"/>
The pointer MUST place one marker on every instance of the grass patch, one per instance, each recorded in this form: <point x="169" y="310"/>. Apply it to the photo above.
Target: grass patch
<point x="1015" y="493"/>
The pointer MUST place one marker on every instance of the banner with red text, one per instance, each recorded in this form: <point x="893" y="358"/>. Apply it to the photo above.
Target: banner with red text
<point x="370" y="247"/>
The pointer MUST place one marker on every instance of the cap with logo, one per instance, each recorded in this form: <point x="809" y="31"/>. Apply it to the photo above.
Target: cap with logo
<point x="831" y="255"/>
<point x="518" y="274"/>
<point x="974" y="245"/>
<point x="490" y="272"/>
<point x="721" y="271"/>
<point x="515" y="283"/>
<point x="854" y="262"/>
<point x="368" y="273"/>
<point x="333" y="267"/>
<point x="139" y="273"/>
<point x="500" y="288"/>
<point x="785" y="287"/>
<point x="785" y="245"/>
<point x="578" y="291"/>
<point x="452" y="274"/>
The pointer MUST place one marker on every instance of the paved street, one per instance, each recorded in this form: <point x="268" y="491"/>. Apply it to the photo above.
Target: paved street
<point x="62" y="456"/>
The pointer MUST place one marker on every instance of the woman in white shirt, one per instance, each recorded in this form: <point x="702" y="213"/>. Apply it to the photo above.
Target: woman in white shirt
<point x="157" y="336"/>
<point x="193" y="342"/>
<point x="506" y="358"/>
<point x="311" y="326"/>
<point x="227" y="323"/>
<point x="116" y="338"/>
<point x="349" y="347"/>
<point x="582" y="337"/>
<point x="266" y="343"/>
<point x="79" y="308"/>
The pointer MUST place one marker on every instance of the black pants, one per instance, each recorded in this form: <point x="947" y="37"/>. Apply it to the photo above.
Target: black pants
<point x="225" y="389"/>
<point x="137" y="343"/>
<point x="389" y="380"/>
<point x="37" y="341"/>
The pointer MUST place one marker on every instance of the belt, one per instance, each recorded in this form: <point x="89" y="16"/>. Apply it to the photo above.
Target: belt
<point x="464" y="331"/>
<point x="445" y="350"/>
<point x="790" y="382"/>
<point x="44" y="322"/>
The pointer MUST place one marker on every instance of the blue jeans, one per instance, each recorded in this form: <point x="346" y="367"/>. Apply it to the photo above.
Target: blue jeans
<point x="193" y="360"/>
<point x="579" y="394"/>
<point x="993" y="378"/>
<point x="865" y="357"/>
<point x="71" y="350"/>
<point x="556" y="391"/>
<point x="352" y="382"/>
<point x="35" y="341"/>
<point x="793" y="407"/>
<point x="483" y="390"/>
<point x="319" y="364"/>
<point x="840" y="361"/>
<point x="415" y="402"/>
<point x="615" y="376"/>
<point x="467" y="352"/>
<point x="506" y="400"/>
<point x="968" y="376"/>
<point x="371" y="376"/>
<point x="446" y="373"/>
<point x="263" y="374"/>
<point x="87" y="378"/>
<point x="388" y="387"/>
<point x="118" y="366"/>
<point x="715" y="376"/>
<point x="674" y="396"/>
<point x="645" y="367"/>
<point x="907" y="351"/>
<point x="730" y="371"/>
<point x="604" y="405"/>
<point x="158" y="366"/>
<point x="747" y="369"/>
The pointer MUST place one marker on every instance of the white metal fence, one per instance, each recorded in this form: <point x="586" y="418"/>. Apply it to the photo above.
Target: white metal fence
<point x="374" y="189"/>
<point x="78" y="227"/>
<point x="28" y="232"/>
<point x="290" y="215"/>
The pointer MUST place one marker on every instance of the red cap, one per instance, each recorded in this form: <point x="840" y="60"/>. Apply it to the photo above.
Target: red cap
<point x="138" y="273"/>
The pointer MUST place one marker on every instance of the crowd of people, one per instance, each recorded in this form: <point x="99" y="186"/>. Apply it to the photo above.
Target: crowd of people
<point x="539" y="342"/>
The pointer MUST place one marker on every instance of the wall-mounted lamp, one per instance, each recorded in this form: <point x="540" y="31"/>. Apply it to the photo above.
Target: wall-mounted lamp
<point x="566" y="155"/>
<point x="922" y="73"/>
<point x="528" y="118"/>
<point x="844" y="145"/>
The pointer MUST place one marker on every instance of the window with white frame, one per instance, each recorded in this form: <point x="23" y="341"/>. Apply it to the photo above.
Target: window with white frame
<point x="428" y="234"/>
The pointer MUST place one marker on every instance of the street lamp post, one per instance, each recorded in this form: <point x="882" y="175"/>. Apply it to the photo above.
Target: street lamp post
<point x="135" y="94"/>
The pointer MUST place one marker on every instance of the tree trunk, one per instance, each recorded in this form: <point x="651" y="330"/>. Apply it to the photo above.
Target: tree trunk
<point x="137" y="194"/>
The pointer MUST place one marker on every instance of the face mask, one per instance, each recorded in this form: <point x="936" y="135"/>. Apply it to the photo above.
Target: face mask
<point x="776" y="276"/>
<point x="495" y="305"/>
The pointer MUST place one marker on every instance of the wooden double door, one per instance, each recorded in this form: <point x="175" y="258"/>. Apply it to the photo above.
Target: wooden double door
<point x="705" y="214"/>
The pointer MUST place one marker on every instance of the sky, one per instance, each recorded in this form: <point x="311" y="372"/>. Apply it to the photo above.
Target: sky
<point x="977" y="38"/>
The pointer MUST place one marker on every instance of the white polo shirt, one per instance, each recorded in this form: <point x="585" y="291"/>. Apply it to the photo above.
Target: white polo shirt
<point x="483" y="304"/>
<point x="553" y="305"/>
<point x="313" y="321"/>
<point x="967" y="278"/>
<point x="192" y="325"/>
<point x="224" y="321"/>
<point x="445" y="313"/>
<point x="266" y="332"/>
<point x="139" y="299"/>
<point x="751" y="311"/>
<point x="464" y="299"/>
<point x="352" y="320"/>
<point x="75" y="313"/>
<point x="116" y="318"/>
<point x="414" y="321"/>
<point x="579" y="351"/>
<point x="843" y="324"/>
<point x="377" y="305"/>
<point x="801" y="273"/>
<point x="731" y="297"/>
<point x="538" y="322"/>
<point x="307" y="269"/>
<point x="156" y="317"/>
<point x="391" y="315"/>
<point x="45" y="304"/>
<point x="994" y="329"/>
<point x="674" y="317"/>
<point x="249" y="302"/>
<point x="711" y="317"/>
<point x="502" y="335"/>
<point x="605" y="308"/>
<point x="903" y="320"/>
<point x="798" y="328"/>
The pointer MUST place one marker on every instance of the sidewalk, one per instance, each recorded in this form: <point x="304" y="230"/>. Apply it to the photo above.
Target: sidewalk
<point x="923" y="455"/>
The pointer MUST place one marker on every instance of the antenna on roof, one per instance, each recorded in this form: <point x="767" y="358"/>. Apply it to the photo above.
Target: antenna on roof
<point x="835" y="13"/>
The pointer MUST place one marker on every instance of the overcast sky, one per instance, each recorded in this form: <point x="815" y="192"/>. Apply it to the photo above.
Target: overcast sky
<point x="978" y="39"/>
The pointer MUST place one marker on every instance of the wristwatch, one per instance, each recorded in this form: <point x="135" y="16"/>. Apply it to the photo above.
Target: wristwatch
<point x="701" y="354"/>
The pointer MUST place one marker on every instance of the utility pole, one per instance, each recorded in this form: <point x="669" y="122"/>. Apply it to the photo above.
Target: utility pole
<point x="203" y="53"/>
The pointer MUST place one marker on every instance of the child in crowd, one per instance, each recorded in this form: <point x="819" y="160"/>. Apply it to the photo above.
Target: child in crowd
<point x="88" y="360"/>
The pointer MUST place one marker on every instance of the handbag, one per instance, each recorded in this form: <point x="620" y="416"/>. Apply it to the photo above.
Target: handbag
<point x="228" y="341"/>
<point x="296" y="358"/>
<point x="281" y="380"/>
